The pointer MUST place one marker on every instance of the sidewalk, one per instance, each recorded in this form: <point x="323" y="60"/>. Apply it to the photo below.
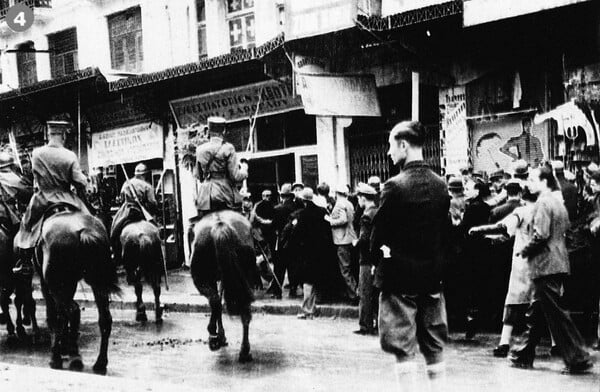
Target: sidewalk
<point x="182" y="296"/>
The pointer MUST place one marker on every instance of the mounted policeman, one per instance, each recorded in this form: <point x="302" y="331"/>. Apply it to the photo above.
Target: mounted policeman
<point x="14" y="189"/>
<point x="219" y="170"/>
<point x="136" y="194"/>
<point x="55" y="172"/>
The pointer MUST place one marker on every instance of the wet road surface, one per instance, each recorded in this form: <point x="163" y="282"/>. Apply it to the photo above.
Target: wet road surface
<point x="289" y="354"/>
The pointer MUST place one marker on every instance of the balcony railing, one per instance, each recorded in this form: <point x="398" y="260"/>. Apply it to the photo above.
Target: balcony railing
<point x="5" y="5"/>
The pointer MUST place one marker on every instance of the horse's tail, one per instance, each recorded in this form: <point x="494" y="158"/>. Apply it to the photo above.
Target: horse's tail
<point x="100" y="271"/>
<point x="149" y="258"/>
<point x="230" y="254"/>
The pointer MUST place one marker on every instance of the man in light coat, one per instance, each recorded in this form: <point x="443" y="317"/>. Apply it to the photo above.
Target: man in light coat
<point x="341" y="221"/>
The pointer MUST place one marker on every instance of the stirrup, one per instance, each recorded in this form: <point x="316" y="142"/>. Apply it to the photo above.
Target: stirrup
<point x="24" y="270"/>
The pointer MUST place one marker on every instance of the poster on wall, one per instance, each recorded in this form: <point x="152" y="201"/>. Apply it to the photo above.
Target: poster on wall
<point x="124" y="145"/>
<point x="497" y="144"/>
<point x="453" y="123"/>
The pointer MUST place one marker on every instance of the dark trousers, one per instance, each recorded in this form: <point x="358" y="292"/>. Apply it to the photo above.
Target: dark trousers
<point x="283" y="262"/>
<point x="547" y="305"/>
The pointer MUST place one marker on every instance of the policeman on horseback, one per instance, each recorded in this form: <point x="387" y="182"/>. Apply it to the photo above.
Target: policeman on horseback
<point x="13" y="189"/>
<point x="136" y="193"/>
<point x="55" y="170"/>
<point x="219" y="170"/>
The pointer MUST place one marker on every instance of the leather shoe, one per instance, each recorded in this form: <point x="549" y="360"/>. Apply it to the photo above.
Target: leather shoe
<point x="361" y="332"/>
<point x="304" y="316"/>
<point x="521" y="362"/>
<point x="501" y="351"/>
<point x="578" y="368"/>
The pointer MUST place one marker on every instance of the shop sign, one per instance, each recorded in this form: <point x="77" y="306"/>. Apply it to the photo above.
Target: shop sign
<point x="236" y="104"/>
<point x="125" y="145"/>
<point x="339" y="95"/>
<point x="308" y="18"/>
<point x="453" y="121"/>
<point x="484" y="11"/>
<point x="392" y="7"/>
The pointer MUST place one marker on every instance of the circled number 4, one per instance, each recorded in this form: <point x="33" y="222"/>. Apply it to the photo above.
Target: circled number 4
<point x="20" y="19"/>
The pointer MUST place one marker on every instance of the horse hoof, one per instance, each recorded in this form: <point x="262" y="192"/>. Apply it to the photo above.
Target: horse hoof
<point x="215" y="342"/>
<point x="56" y="364"/>
<point x="76" y="364"/>
<point x="99" y="369"/>
<point x="21" y="333"/>
<point x="141" y="317"/>
<point x="245" y="358"/>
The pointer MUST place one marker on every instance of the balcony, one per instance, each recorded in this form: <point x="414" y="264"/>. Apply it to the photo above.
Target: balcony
<point x="40" y="7"/>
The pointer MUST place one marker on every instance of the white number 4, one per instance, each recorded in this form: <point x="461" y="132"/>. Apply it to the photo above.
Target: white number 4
<point x="20" y="19"/>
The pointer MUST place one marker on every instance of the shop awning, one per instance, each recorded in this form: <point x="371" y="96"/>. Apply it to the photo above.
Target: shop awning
<point x="237" y="57"/>
<point x="570" y="119"/>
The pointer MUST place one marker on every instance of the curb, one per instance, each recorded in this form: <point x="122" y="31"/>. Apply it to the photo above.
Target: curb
<point x="327" y="311"/>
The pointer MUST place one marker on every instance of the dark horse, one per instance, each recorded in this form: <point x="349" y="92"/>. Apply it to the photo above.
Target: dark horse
<point x="141" y="254"/>
<point x="21" y="286"/>
<point x="223" y="251"/>
<point x="75" y="246"/>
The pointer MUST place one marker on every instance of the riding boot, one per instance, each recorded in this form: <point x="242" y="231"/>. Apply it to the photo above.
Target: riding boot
<point x="24" y="264"/>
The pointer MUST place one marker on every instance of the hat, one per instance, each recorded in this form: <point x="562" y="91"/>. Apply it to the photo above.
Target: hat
<point x="307" y="194"/>
<point x="591" y="168"/>
<point x="298" y="185"/>
<point x="6" y="159"/>
<point x="513" y="186"/>
<point x="286" y="189"/>
<point x="478" y="174"/>
<point x="140" y="169"/>
<point x="342" y="189"/>
<point x="216" y="124"/>
<point x="498" y="174"/>
<point x="365" y="189"/>
<point x="245" y="194"/>
<point x="558" y="166"/>
<point x="521" y="169"/>
<point x="58" y="127"/>
<point x="455" y="184"/>
<point x="375" y="182"/>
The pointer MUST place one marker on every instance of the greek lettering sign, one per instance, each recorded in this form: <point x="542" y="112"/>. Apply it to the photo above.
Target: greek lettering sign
<point x="236" y="104"/>
<point x="124" y="145"/>
<point x="307" y="18"/>
<point x="453" y="123"/>
<point x="339" y="95"/>
<point x="484" y="11"/>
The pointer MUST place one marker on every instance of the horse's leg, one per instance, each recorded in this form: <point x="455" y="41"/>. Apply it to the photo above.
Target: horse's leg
<point x="57" y="324"/>
<point x="216" y="337"/>
<point x="75" y="362"/>
<point x="105" y="323"/>
<point x="19" y="307"/>
<point x="140" y="314"/>
<point x="5" y="306"/>
<point x="158" y="310"/>
<point x="245" y="355"/>
<point x="29" y="308"/>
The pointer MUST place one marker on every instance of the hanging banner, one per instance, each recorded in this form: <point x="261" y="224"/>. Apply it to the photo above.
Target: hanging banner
<point x="125" y="145"/>
<point x="453" y="123"/>
<point x="339" y="95"/>
<point x="308" y="18"/>
<point x="484" y="11"/>
<point x="236" y="104"/>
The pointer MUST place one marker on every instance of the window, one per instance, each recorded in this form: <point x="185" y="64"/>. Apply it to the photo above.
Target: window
<point x="125" y="32"/>
<point x="285" y="130"/>
<point x="201" y="20"/>
<point x="26" y="64"/>
<point x="240" y="17"/>
<point x="63" y="53"/>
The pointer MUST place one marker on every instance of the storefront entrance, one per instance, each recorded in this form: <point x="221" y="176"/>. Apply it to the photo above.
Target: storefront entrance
<point x="270" y="173"/>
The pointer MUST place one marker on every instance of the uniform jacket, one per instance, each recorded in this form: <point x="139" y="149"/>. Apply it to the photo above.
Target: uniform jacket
<point x="218" y="167"/>
<point x="364" y="239"/>
<point x="55" y="169"/>
<point x="413" y="221"/>
<point x="342" y="223"/>
<point x="129" y="210"/>
<point x="547" y="250"/>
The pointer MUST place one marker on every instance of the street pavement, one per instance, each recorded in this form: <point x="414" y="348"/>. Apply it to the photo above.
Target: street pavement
<point x="289" y="354"/>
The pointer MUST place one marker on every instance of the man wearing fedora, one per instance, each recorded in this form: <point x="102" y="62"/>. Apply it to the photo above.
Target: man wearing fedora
<point x="341" y="221"/>
<point x="219" y="170"/>
<point x="55" y="170"/>
<point x="366" y="309"/>
<point x="137" y="189"/>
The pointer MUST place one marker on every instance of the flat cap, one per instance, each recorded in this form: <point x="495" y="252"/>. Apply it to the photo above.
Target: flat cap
<point x="365" y="189"/>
